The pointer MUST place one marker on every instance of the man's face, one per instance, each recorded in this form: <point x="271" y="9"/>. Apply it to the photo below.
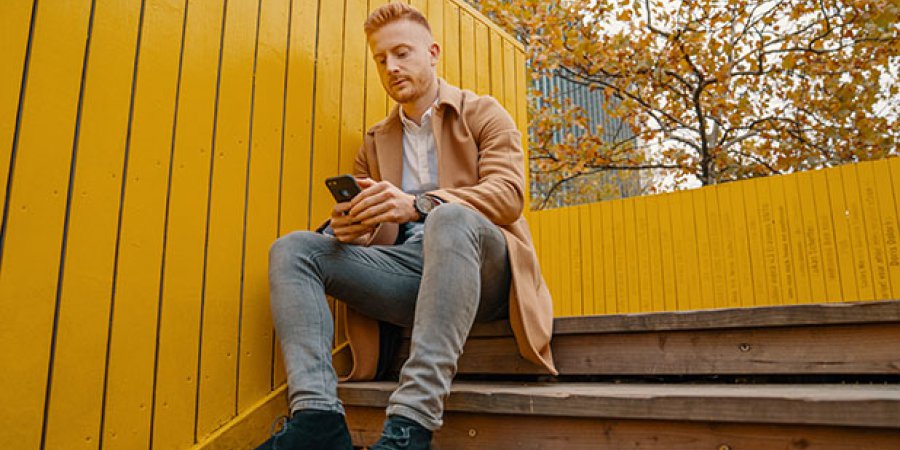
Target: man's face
<point x="406" y="56"/>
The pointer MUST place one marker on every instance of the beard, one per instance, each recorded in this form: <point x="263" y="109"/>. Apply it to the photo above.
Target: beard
<point x="408" y="91"/>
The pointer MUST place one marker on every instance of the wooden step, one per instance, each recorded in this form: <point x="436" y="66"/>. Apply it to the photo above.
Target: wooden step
<point x="836" y="338"/>
<point x="505" y="415"/>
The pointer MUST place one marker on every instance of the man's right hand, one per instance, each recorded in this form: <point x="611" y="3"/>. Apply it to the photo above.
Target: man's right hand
<point x="344" y="229"/>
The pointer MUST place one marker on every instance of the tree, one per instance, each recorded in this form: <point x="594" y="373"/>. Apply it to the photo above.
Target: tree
<point x="713" y="91"/>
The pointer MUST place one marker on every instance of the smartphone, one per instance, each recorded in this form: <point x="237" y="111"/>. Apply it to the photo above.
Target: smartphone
<point x="342" y="187"/>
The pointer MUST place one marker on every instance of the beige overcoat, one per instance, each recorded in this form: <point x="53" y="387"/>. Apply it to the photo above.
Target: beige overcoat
<point x="480" y="165"/>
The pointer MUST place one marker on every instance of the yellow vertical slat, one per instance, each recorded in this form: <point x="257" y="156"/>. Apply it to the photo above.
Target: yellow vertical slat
<point x="598" y="261"/>
<point x="434" y="11"/>
<point x="353" y="89"/>
<point x="521" y="115"/>
<point x="858" y="239"/>
<point x="798" y="245"/>
<point x="620" y="247"/>
<point x="534" y="227"/>
<point x="556" y="261"/>
<point x="740" y="236"/>
<point x="767" y="194"/>
<point x="565" y="260"/>
<point x="496" y="52"/>
<point x="825" y="221"/>
<point x="728" y="248"/>
<point x="467" y="66"/>
<point x="376" y="99"/>
<point x="587" y="260"/>
<point x="755" y="239"/>
<point x="509" y="70"/>
<point x="327" y="112"/>
<point x="179" y="327"/>
<point x="577" y="259"/>
<point x="686" y="258"/>
<point x="632" y="259"/>
<point x="872" y="220"/>
<point x="705" y="269"/>
<point x="451" y="54"/>
<point x="34" y="226"/>
<point x="482" y="59"/>
<point x="788" y="274"/>
<point x="644" y="244"/>
<point x="888" y="176"/>
<point x="129" y="393"/>
<point x="75" y="401"/>
<point x="654" y="287"/>
<point x="718" y="285"/>
<point x="840" y="216"/>
<point x="608" y="238"/>
<point x="219" y="347"/>
<point x="669" y="297"/>
<point x="679" y="247"/>
<point x="256" y="357"/>
<point x="809" y="233"/>
<point x="15" y="23"/>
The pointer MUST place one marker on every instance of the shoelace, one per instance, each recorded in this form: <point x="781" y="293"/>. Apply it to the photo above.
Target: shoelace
<point x="401" y="439"/>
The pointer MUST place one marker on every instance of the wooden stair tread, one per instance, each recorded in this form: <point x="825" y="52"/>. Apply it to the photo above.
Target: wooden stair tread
<point x="816" y="404"/>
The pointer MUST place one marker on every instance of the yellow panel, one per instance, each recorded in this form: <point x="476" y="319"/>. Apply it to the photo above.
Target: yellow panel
<point x="888" y="175"/>
<point x="451" y="55"/>
<point x="376" y="99"/>
<point x="633" y="268"/>
<point x="325" y="160"/>
<point x="598" y="273"/>
<point x="222" y="293"/>
<point x="129" y="392"/>
<point x="771" y="202"/>
<point x="509" y="70"/>
<point x="669" y="295"/>
<point x="717" y="253"/>
<point x="743" y="261"/>
<point x="858" y="239"/>
<point x="15" y="21"/>
<point x="179" y="331"/>
<point x="467" y="52"/>
<point x="872" y="215"/>
<point x="840" y="214"/>
<point x="435" y="16"/>
<point x="35" y="223"/>
<point x="756" y="239"/>
<point x="534" y="224"/>
<point x="695" y="284"/>
<point x="565" y="260"/>
<point x="730" y="296"/>
<point x="783" y="240"/>
<point x="621" y="256"/>
<point x="482" y="59"/>
<point x="826" y="232"/>
<point x="797" y="255"/>
<point x="707" y="294"/>
<point x="555" y="262"/>
<point x="587" y="259"/>
<point x="76" y="395"/>
<point x="496" y="49"/>
<point x="653" y="288"/>
<point x="644" y="289"/>
<point x="812" y="256"/>
<point x="609" y="257"/>
<point x="353" y="89"/>
<point x="255" y="376"/>
<point x="577" y="259"/>
<point x="685" y="273"/>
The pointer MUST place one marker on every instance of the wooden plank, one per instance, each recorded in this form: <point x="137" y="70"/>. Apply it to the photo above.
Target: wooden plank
<point x="888" y="194"/>
<point x="15" y="30"/>
<point x="353" y="85"/>
<point x="791" y="404"/>
<point x="376" y="98"/>
<point x="76" y="395"/>
<point x="826" y="233"/>
<point x="482" y="59"/>
<point x="509" y="75"/>
<point x="843" y="245"/>
<point x="871" y="211"/>
<point x="467" y="49"/>
<point x="496" y="65"/>
<point x="256" y="356"/>
<point x="217" y="391"/>
<point x="451" y="54"/>
<point x="479" y="431"/>
<point x="434" y="11"/>
<point x="132" y="348"/>
<point x="862" y="268"/>
<point x="247" y="430"/>
<point x="178" y="338"/>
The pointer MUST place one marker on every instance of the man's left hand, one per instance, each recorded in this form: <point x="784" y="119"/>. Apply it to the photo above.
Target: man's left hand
<point x="380" y="202"/>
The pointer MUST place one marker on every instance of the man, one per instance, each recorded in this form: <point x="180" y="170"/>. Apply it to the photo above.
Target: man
<point x="442" y="185"/>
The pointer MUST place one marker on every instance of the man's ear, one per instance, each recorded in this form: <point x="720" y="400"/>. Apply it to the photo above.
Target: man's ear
<point x="435" y="51"/>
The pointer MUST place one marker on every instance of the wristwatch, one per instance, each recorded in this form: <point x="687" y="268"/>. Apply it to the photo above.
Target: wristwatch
<point x="424" y="204"/>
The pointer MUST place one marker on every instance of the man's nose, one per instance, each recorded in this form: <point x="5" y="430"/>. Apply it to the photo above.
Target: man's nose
<point x="391" y="65"/>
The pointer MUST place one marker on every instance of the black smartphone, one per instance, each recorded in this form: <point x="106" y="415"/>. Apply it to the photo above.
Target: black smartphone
<point x="342" y="187"/>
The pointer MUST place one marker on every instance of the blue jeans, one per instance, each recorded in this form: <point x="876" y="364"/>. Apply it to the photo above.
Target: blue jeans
<point x="439" y="284"/>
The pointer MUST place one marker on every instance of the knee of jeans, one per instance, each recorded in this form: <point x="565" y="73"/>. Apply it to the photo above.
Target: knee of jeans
<point x="450" y="218"/>
<point x="288" y="249"/>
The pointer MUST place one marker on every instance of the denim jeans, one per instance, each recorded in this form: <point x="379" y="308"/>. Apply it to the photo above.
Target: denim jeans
<point x="457" y="273"/>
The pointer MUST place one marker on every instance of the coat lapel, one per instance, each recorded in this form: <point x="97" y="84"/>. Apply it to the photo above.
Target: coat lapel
<point x="389" y="149"/>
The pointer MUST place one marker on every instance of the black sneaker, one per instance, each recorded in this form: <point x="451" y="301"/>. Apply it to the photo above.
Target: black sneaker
<point x="401" y="433"/>
<point x="310" y="430"/>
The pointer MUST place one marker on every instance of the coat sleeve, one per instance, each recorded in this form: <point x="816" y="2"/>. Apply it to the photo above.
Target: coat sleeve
<point x="500" y="190"/>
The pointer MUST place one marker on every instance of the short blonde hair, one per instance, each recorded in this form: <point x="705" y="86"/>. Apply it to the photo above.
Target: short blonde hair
<point x="393" y="12"/>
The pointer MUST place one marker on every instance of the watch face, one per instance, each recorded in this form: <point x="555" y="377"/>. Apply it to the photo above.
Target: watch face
<point x="424" y="204"/>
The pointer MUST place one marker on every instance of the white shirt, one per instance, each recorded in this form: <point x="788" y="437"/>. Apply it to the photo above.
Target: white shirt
<point x="420" y="169"/>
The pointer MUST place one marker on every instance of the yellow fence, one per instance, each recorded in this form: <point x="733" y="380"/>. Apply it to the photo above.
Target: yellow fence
<point x="822" y="236"/>
<point x="150" y="151"/>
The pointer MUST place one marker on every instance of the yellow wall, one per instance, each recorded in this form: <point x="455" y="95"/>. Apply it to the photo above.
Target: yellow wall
<point x="823" y="236"/>
<point x="150" y="151"/>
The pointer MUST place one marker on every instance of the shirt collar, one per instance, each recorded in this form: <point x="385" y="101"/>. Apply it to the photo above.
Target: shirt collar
<point x="408" y="124"/>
